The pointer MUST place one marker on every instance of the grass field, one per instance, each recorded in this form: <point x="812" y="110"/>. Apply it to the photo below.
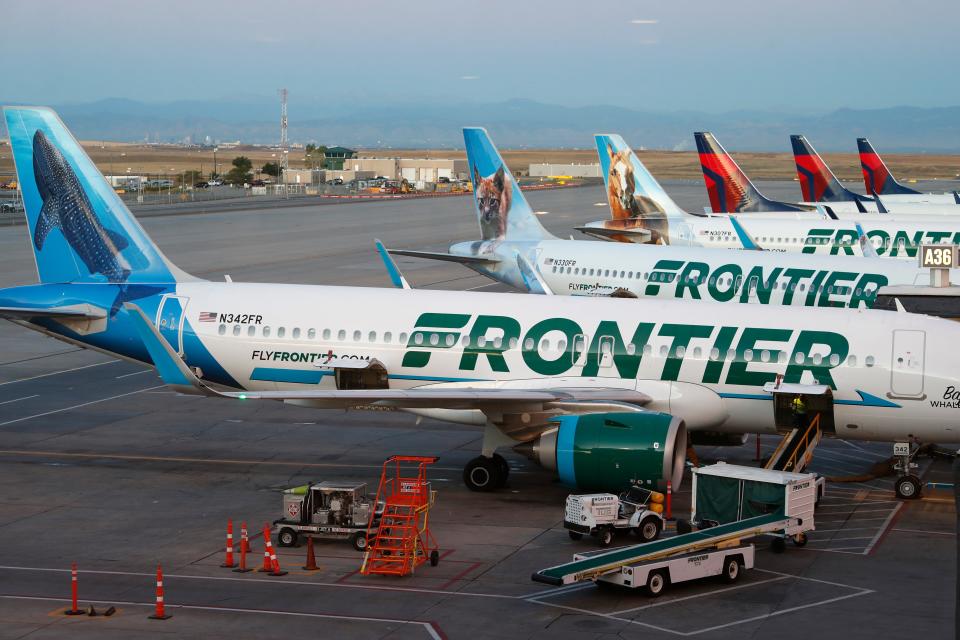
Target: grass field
<point x="121" y="158"/>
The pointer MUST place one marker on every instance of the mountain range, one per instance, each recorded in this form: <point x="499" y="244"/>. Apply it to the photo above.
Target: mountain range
<point x="513" y="124"/>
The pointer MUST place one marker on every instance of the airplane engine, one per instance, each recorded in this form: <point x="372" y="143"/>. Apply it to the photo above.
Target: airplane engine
<point x="608" y="451"/>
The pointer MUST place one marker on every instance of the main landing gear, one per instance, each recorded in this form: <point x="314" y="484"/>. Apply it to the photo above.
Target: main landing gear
<point x="486" y="474"/>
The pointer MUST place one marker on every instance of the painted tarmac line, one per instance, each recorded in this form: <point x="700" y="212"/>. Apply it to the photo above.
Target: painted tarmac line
<point x="430" y="627"/>
<point x="135" y="373"/>
<point x="56" y="373"/>
<point x="77" y="406"/>
<point x="274" y="581"/>
<point x="827" y="540"/>
<point x="607" y="616"/>
<point x="699" y="595"/>
<point x="846" y="529"/>
<point x="36" y="395"/>
<point x="781" y="612"/>
<point x="854" y="504"/>
<point x="143" y="458"/>
<point x="879" y="456"/>
<point x="932" y="533"/>
<point x="884" y="527"/>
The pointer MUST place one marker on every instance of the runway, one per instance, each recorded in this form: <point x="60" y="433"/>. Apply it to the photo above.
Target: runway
<point x="104" y="466"/>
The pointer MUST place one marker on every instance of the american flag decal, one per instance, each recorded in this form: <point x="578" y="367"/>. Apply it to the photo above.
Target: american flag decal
<point x="208" y="316"/>
<point x="548" y="261"/>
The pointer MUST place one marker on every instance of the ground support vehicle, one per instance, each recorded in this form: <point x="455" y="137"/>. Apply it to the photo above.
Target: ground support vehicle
<point x="327" y="511"/>
<point x="601" y="515"/>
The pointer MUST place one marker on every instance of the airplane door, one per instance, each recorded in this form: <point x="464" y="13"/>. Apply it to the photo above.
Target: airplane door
<point x="906" y="367"/>
<point x="170" y="318"/>
<point x="605" y="353"/>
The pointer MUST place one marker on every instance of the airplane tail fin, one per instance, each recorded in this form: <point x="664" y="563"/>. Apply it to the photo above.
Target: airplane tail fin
<point x="80" y="229"/>
<point x="817" y="181"/>
<point x="876" y="177"/>
<point x="502" y="210"/>
<point x="730" y="190"/>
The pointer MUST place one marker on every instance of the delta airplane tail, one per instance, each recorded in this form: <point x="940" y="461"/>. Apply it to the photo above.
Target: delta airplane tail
<point x="730" y="190"/>
<point x="817" y="181"/>
<point x="876" y="177"/>
<point x="81" y="231"/>
<point x="502" y="210"/>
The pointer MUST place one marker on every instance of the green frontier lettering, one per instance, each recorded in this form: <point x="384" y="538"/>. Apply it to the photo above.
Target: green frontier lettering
<point x="691" y="277"/>
<point x="759" y="285"/>
<point x="507" y="329"/>
<point x="812" y="241"/>
<point x="421" y="336"/>
<point x="627" y="364"/>
<point x="815" y="351"/>
<point x="663" y="271"/>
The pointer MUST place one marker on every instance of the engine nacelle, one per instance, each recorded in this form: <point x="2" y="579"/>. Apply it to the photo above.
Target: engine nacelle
<point x="608" y="451"/>
<point x="717" y="438"/>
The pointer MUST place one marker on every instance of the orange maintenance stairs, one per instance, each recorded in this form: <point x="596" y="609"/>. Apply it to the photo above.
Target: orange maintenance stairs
<point x="403" y="541"/>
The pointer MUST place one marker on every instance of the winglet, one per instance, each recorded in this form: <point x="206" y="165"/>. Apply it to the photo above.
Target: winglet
<point x="396" y="277"/>
<point x="956" y="197"/>
<point x="869" y="251"/>
<point x="745" y="238"/>
<point x="880" y="207"/>
<point x="827" y="212"/>
<point x="532" y="278"/>
<point x="860" y="207"/>
<point x="171" y="367"/>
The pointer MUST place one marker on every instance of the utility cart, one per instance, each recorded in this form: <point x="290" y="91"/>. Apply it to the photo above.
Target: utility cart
<point x="602" y="514"/>
<point x="327" y="510"/>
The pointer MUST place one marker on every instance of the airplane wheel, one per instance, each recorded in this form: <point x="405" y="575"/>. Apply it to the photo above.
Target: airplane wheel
<point x="482" y="474"/>
<point x="800" y="539"/>
<point x="504" y="469"/>
<point x="907" y="487"/>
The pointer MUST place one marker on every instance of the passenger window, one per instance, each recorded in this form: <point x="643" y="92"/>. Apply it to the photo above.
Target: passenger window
<point x="341" y="335"/>
<point x="513" y="343"/>
<point x="852" y="361"/>
<point x="697" y="352"/>
<point x="326" y="334"/>
<point x="236" y="329"/>
<point x="561" y="345"/>
<point x="748" y="355"/>
<point x="372" y="337"/>
<point x="387" y="337"/>
<point x="356" y="336"/>
<point x="834" y="360"/>
<point x="311" y="334"/>
<point x="296" y="333"/>
<point x="449" y="340"/>
<point x="281" y="332"/>
<point x="714" y="354"/>
<point x="251" y="331"/>
<point x="266" y="332"/>
<point x="868" y="361"/>
<point x="222" y="330"/>
<point x="403" y="338"/>
<point x="528" y="344"/>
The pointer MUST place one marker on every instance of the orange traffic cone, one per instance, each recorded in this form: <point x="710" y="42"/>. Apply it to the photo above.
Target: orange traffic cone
<point x="228" y="562"/>
<point x="244" y="548"/>
<point x="159" y="613"/>
<point x="74" y="610"/>
<point x="274" y="563"/>
<point x="311" y="559"/>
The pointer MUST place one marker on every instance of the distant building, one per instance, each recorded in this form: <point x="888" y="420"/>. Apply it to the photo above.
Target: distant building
<point x="334" y="156"/>
<point x="571" y="170"/>
<point x="413" y="170"/>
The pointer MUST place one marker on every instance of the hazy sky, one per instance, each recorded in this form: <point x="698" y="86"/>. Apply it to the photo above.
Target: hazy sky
<point x="666" y="54"/>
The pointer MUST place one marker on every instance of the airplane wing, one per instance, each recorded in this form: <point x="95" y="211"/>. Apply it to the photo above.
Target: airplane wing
<point x="449" y="257"/>
<point x="176" y="374"/>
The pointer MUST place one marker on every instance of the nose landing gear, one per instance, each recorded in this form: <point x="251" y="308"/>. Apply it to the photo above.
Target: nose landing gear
<point x="907" y="485"/>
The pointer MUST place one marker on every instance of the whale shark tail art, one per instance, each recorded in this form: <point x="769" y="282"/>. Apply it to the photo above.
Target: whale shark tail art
<point x="81" y="230"/>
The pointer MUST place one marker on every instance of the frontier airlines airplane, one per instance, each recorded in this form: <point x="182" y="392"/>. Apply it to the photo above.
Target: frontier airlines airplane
<point x="528" y="257"/>
<point x="643" y="212"/>
<point x="601" y="390"/>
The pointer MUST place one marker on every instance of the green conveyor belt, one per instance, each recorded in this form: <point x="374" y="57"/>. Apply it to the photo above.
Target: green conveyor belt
<point x="556" y="575"/>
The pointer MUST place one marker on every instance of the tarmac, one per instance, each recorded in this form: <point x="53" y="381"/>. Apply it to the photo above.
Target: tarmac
<point x="103" y="466"/>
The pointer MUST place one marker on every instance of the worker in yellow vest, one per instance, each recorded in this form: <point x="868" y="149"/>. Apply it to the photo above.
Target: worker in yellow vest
<point x="799" y="409"/>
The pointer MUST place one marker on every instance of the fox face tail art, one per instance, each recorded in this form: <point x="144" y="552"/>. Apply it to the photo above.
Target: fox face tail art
<point x="817" y="181"/>
<point x="876" y="177"/>
<point x="502" y="210"/>
<point x="729" y="188"/>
